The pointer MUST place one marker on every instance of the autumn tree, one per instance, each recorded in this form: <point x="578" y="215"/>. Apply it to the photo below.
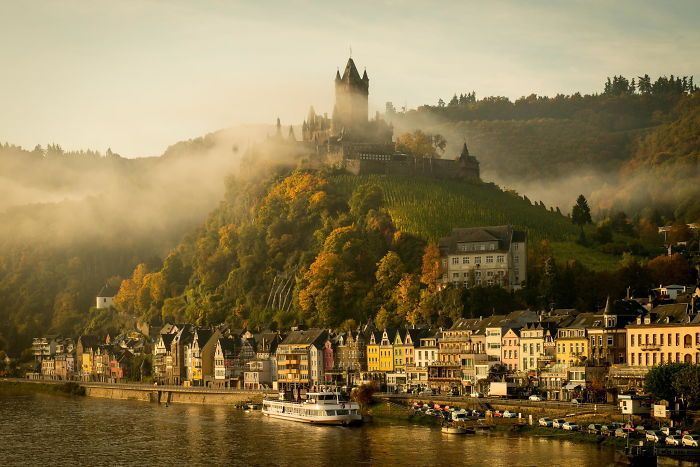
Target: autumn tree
<point x="420" y="144"/>
<point x="431" y="272"/>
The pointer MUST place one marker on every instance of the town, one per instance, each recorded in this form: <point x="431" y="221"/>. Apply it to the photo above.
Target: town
<point x="554" y="354"/>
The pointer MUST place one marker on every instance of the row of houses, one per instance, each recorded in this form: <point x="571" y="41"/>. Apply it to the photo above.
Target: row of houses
<point x="559" y="353"/>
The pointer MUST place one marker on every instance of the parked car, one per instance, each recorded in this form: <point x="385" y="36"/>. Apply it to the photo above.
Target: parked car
<point x="607" y="430"/>
<point x="544" y="421"/>
<point x="570" y="426"/>
<point x="509" y="414"/>
<point x="665" y="430"/>
<point x="640" y="429"/>
<point x="558" y="423"/>
<point x="476" y="394"/>
<point x="673" y="440"/>
<point x="690" y="440"/>
<point x="427" y="392"/>
<point x="497" y="413"/>
<point x="654" y="436"/>
<point x="535" y="398"/>
<point x="594" y="429"/>
<point x="621" y="433"/>
<point x="575" y="402"/>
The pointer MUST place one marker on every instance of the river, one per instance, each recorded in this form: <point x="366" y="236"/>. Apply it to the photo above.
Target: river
<point x="38" y="429"/>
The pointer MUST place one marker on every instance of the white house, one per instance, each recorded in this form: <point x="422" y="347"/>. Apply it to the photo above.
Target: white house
<point x="105" y="297"/>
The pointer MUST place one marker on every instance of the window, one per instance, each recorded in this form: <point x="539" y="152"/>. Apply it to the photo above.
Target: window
<point x="632" y="359"/>
<point x="500" y="258"/>
<point x="600" y="341"/>
<point x="477" y="260"/>
<point x="661" y="339"/>
<point x="632" y="340"/>
<point x="610" y="341"/>
<point x="455" y="275"/>
<point x="444" y="263"/>
<point x="489" y="259"/>
<point x="455" y="260"/>
<point x="465" y="260"/>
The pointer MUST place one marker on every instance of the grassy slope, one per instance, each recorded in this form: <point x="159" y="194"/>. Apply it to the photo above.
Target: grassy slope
<point x="431" y="208"/>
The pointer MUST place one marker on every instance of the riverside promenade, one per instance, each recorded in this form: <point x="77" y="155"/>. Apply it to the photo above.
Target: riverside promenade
<point x="163" y="394"/>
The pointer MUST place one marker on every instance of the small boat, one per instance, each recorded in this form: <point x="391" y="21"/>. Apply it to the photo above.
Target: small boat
<point x="323" y="408"/>
<point x="457" y="430"/>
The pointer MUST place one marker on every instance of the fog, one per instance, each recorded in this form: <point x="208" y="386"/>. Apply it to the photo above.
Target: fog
<point x="69" y="199"/>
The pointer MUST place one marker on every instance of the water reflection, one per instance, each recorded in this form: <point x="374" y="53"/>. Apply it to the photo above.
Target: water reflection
<point x="46" y="430"/>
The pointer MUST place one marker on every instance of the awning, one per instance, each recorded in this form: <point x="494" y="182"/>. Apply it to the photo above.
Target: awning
<point x="571" y="386"/>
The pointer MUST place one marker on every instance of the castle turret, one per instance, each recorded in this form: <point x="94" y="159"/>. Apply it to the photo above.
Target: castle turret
<point x="290" y="135"/>
<point x="351" y="98"/>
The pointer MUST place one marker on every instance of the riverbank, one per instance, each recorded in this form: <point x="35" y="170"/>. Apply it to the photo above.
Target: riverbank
<point x="15" y="388"/>
<point x="391" y="413"/>
<point x="134" y="392"/>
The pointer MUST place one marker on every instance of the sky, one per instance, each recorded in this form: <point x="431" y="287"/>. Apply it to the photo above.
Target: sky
<point x="137" y="76"/>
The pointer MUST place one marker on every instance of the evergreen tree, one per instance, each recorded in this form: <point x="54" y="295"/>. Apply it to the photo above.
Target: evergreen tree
<point x="581" y="213"/>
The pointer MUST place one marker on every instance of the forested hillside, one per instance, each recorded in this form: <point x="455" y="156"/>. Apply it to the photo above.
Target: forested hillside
<point x="553" y="148"/>
<point x="70" y="221"/>
<point x="325" y="249"/>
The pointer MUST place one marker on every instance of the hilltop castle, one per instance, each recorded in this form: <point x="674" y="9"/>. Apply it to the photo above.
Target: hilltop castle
<point x="349" y="139"/>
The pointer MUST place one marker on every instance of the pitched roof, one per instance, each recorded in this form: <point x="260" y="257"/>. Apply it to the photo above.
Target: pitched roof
<point x="503" y="234"/>
<point x="673" y="313"/>
<point x="307" y="337"/>
<point x="351" y="74"/>
<point x="108" y="291"/>
<point x="227" y="344"/>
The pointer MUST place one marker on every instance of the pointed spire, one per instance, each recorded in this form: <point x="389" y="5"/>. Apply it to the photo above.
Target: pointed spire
<point x="291" y="134"/>
<point x="337" y="74"/>
<point x="608" y="307"/>
<point x="279" y="128"/>
<point x="465" y="150"/>
<point x="364" y="76"/>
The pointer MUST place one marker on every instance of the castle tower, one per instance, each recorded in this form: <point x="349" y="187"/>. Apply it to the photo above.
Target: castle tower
<point x="351" y="99"/>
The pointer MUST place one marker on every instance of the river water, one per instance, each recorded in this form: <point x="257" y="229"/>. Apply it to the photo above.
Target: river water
<point x="49" y="430"/>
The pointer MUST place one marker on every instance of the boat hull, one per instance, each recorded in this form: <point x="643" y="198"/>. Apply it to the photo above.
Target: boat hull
<point x="329" y="420"/>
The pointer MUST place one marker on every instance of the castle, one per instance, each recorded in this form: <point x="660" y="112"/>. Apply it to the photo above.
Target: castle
<point x="349" y="139"/>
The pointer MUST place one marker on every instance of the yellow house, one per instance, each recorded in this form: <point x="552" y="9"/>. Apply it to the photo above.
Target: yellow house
<point x="373" y="351"/>
<point x="572" y="341"/>
<point x="386" y="351"/>
<point x="405" y="342"/>
<point x="399" y="350"/>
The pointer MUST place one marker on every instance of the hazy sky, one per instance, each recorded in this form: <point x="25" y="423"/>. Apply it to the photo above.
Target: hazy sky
<point x="140" y="75"/>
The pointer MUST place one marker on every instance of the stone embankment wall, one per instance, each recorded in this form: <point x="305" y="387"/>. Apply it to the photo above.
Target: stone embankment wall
<point x="190" y="396"/>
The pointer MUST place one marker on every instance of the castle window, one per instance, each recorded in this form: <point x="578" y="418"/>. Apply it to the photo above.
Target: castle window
<point x="455" y="260"/>
<point x="489" y="259"/>
<point x="500" y="258"/>
<point x="465" y="260"/>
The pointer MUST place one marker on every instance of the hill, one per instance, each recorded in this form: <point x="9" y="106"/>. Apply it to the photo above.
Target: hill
<point x="431" y="208"/>
<point x="554" y="148"/>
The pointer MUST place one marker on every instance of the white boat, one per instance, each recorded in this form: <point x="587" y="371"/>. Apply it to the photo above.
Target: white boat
<point x="323" y="408"/>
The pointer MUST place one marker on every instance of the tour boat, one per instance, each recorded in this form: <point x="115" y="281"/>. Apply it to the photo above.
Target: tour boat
<point x="323" y="408"/>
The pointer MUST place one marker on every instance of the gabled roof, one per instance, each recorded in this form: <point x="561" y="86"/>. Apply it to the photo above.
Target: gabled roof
<point x="108" y="291"/>
<point x="228" y="344"/>
<point x="674" y="313"/>
<point x="306" y="337"/>
<point x="167" y="339"/>
<point x="503" y="234"/>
